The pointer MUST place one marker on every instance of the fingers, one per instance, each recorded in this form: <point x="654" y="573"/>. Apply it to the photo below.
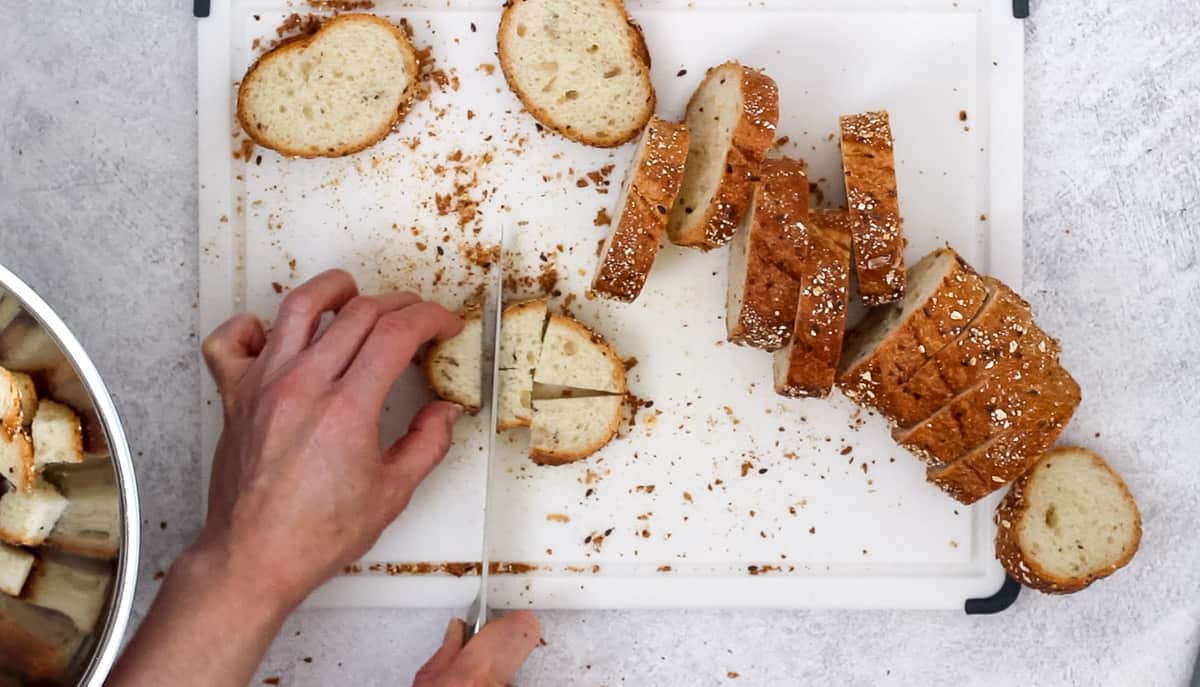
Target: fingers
<point x="439" y="664"/>
<point x="418" y="452"/>
<point x="339" y="343"/>
<point x="390" y="346"/>
<point x="497" y="653"/>
<point x="300" y="314"/>
<point x="230" y="349"/>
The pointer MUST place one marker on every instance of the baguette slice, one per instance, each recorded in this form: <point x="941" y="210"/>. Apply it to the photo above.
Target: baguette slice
<point x="454" y="366"/>
<point x="569" y="429"/>
<point x="731" y="120"/>
<point x="573" y="356"/>
<point x="333" y="93"/>
<point x="15" y="565"/>
<point x="57" y="434"/>
<point x="650" y="188"/>
<point x="1067" y="522"/>
<point x="991" y="337"/>
<point x="16" y="460"/>
<point x="91" y="524"/>
<point x="766" y="258"/>
<point x="77" y="588"/>
<point x="580" y="68"/>
<point x="1003" y="458"/>
<point x="808" y="365"/>
<point x="36" y="643"/>
<point x="519" y="351"/>
<point x="870" y="169"/>
<point x="894" y="341"/>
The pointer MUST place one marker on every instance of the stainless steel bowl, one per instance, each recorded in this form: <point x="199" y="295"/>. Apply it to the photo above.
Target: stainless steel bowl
<point x="30" y="330"/>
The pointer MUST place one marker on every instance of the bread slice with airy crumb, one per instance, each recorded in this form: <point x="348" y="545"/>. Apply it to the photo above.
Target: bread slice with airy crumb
<point x="57" y="434"/>
<point x="520" y="347"/>
<point x="77" y="588"/>
<point x="335" y="92"/>
<point x="454" y="366"/>
<point x="1067" y="522"/>
<point x="37" y="643"/>
<point x="15" y="566"/>
<point x="16" y="460"/>
<point x="573" y="356"/>
<point x="869" y="165"/>
<point x="26" y="518"/>
<point x="569" y="429"/>
<point x="731" y="121"/>
<point x="91" y="524"/>
<point x="650" y="188"/>
<point x="580" y="68"/>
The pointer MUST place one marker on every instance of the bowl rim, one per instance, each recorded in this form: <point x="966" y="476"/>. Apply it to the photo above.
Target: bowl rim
<point x="109" y="639"/>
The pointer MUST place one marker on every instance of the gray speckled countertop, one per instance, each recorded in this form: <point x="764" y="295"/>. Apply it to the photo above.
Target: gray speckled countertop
<point x="98" y="213"/>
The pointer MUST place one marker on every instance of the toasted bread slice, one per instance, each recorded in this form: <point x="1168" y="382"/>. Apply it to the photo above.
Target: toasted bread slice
<point x="57" y="434"/>
<point x="35" y="642"/>
<point x="520" y="348"/>
<point x="580" y="68"/>
<point x="15" y="565"/>
<point x="16" y="460"/>
<point x="894" y="341"/>
<point x="454" y="366"/>
<point x="569" y="429"/>
<point x="91" y="524"/>
<point x="731" y="121"/>
<point x="650" y="188"/>
<point x="808" y="365"/>
<point x="573" y="356"/>
<point x="77" y="588"/>
<point x="1067" y="522"/>
<point x="870" y="169"/>
<point x="333" y="93"/>
<point x="766" y="258"/>
<point x="26" y="518"/>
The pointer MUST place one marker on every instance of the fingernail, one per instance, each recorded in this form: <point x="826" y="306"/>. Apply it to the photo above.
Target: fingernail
<point x="456" y="411"/>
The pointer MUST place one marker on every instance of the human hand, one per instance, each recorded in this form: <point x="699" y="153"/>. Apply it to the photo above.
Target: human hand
<point x="300" y="486"/>
<point x="489" y="660"/>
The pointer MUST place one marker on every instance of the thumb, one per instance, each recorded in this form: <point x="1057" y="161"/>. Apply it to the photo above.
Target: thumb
<point x="497" y="653"/>
<point x="419" y="451"/>
<point x="440" y="662"/>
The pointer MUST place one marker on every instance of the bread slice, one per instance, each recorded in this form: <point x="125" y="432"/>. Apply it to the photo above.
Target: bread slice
<point x="990" y="338"/>
<point x="573" y="356"/>
<point x="91" y="524"/>
<point x="580" y="68"/>
<point x="333" y="93"/>
<point x="878" y="233"/>
<point x="26" y="518"/>
<point x="1067" y="522"/>
<point x="454" y="366"/>
<point x="650" y="188"/>
<point x="57" y="434"/>
<point x="894" y="341"/>
<point x="1004" y="457"/>
<point x="766" y="258"/>
<point x="36" y="643"/>
<point x="1016" y="386"/>
<point x="808" y="364"/>
<point x="520" y="348"/>
<point x="731" y="121"/>
<point x="16" y="460"/>
<point x="15" y="565"/>
<point x="569" y="429"/>
<point x="77" y="588"/>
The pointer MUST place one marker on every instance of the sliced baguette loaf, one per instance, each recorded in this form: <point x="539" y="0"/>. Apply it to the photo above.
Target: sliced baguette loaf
<point x="650" y="188"/>
<point x="569" y="429"/>
<point x="573" y="356"/>
<point x="870" y="170"/>
<point x="15" y="565"/>
<point x="808" y="364"/>
<point x="894" y="341"/>
<point x="1067" y="522"/>
<point x="520" y="347"/>
<point x="580" y="68"/>
<point x="91" y="524"/>
<point x="77" y="588"/>
<point x="454" y="366"/>
<point x="333" y="93"/>
<point x="766" y="258"/>
<point x="16" y="460"/>
<point x="731" y="121"/>
<point x="26" y="518"/>
<point x="37" y="643"/>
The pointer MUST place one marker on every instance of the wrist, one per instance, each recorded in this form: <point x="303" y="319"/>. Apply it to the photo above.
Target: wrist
<point x="211" y="570"/>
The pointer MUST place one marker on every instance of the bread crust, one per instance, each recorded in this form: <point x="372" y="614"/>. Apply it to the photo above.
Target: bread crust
<point x="1010" y="517"/>
<point x="550" y="457"/>
<point x="752" y="138"/>
<point x="22" y="444"/>
<point x="870" y="170"/>
<point x="641" y="55"/>
<point x="632" y="245"/>
<point x="300" y="42"/>
<point x="439" y="387"/>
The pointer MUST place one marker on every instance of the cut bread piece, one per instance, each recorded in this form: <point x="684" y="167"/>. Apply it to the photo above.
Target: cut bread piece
<point x="37" y="643"/>
<point x="766" y="258"/>
<point x="1067" y="522"/>
<point x="16" y="460"/>
<point x="454" y="366"/>
<point x="569" y="429"/>
<point x="26" y="518"/>
<point x="808" y="365"/>
<point x="573" y="356"/>
<point x="650" y="188"/>
<point x="333" y="93"/>
<point x="91" y="524"/>
<point x="731" y="122"/>
<point x="894" y="341"/>
<point x="28" y="395"/>
<point x="519" y="350"/>
<point x="1016" y="386"/>
<point x="57" y="434"/>
<point x="870" y="170"/>
<point x="580" y="68"/>
<point x="991" y="337"/>
<point x="77" y="588"/>
<point x="10" y="403"/>
<point x="15" y="565"/>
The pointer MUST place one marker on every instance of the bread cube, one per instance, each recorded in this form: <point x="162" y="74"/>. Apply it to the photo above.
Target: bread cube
<point x="16" y="459"/>
<point x="27" y="518"/>
<point x="57" y="434"/>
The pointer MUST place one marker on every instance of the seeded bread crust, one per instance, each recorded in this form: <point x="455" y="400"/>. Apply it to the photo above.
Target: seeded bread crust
<point x="446" y="387"/>
<point x="632" y="245"/>
<point x="546" y="450"/>
<point x="762" y="308"/>
<point x="752" y="138"/>
<point x="869" y="164"/>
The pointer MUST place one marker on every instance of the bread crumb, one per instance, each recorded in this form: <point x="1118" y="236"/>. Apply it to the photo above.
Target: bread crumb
<point x="558" y="517"/>
<point x="602" y="218"/>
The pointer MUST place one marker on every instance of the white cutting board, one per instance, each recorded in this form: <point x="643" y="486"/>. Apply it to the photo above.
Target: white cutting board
<point x="841" y="535"/>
